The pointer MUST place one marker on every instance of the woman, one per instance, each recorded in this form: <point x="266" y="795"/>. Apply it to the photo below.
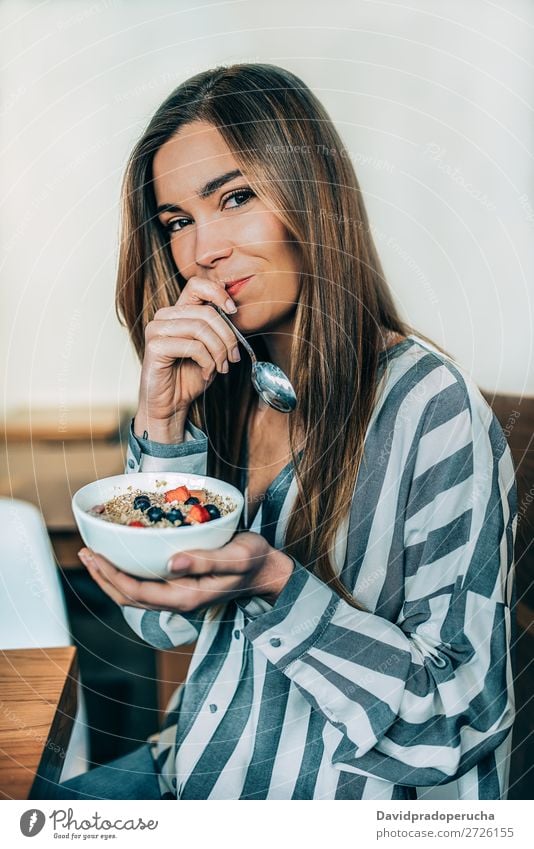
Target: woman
<point x="352" y="640"/>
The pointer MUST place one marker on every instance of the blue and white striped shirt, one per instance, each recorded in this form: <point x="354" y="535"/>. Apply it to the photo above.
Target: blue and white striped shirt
<point x="310" y="698"/>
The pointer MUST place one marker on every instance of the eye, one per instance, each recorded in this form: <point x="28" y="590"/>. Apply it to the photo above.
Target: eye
<point x="174" y="225"/>
<point x="241" y="196"/>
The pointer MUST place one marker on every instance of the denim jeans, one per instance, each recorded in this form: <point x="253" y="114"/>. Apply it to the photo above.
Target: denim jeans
<point x="131" y="776"/>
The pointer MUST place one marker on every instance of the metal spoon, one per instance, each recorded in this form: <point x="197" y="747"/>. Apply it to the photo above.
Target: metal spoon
<point x="268" y="380"/>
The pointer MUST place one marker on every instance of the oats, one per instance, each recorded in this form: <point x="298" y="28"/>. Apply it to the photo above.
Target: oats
<point x="120" y="509"/>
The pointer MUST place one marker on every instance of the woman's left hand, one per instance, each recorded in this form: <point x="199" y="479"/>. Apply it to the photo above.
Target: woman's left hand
<point x="246" y="566"/>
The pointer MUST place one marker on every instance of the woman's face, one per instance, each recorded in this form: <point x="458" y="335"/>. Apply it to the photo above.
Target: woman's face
<point x="225" y="233"/>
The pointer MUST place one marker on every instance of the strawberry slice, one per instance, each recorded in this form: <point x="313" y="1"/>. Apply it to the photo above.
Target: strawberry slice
<point x="135" y="524"/>
<point x="198" y="493"/>
<point x="198" y="513"/>
<point x="181" y="493"/>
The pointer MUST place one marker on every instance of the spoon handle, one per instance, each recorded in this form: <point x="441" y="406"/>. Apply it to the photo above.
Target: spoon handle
<point x="236" y="331"/>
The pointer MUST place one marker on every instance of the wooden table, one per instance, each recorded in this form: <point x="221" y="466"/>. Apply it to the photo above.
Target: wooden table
<point x="38" y="699"/>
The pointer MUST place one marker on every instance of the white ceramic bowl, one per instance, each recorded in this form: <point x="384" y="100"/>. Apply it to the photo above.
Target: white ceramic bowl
<point x="144" y="552"/>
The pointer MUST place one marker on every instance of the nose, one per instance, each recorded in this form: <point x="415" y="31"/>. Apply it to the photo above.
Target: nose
<point x="212" y="244"/>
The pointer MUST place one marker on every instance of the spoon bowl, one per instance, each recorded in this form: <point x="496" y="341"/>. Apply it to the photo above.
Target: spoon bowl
<point x="273" y="386"/>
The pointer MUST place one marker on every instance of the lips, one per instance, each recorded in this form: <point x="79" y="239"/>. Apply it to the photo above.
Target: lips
<point x="235" y="285"/>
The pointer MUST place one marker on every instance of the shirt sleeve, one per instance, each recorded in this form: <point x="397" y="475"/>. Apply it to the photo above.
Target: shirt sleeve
<point x="145" y="455"/>
<point x="421" y="700"/>
<point x="163" y="629"/>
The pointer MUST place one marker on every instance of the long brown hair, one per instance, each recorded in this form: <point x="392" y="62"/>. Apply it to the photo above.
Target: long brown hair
<point x="290" y="152"/>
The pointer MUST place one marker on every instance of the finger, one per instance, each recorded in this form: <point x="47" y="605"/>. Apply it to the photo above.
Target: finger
<point x="217" y="587"/>
<point x="126" y="589"/>
<point x="179" y="595"/>
<point x="219" y="343"/>
<point x="91" y="558"/>
<point x="163" y="324"/>
<point x="170" y="349"/>
<point x="106" y="586"/>
<point x="200" y="291"/>
<point x="101" y="565"/>
<point x="195" y="593"/>
<point x="232" y="559"/>
<point x="121" y="587"/>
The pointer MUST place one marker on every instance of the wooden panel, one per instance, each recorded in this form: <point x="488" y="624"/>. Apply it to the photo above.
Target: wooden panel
<point x="525" y="619"/>
<point x="38" y="696"/>
<point x="66" y="546"/>
<point x="63" y="423"/>
<point x="48" y="474"/>
<point x="516" y="416"/>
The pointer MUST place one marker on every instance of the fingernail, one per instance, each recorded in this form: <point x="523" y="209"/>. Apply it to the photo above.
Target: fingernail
<point x="235" y="356"/>
<point x="230" y="306"/>
<point x="225" y="367"/>
<point x="177" y="564"/>
<point x="87" y="558"/>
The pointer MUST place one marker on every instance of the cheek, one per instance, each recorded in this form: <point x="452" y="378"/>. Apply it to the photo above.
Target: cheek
<point x="286" y="249"/>
<point x="264" y="229"/>
<point x="182" y="253"/>
<point x="257" y="230"/>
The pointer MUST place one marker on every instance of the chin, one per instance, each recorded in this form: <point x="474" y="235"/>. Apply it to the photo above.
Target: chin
<point x="249" y="318"/>
<point x="252" y="319"/>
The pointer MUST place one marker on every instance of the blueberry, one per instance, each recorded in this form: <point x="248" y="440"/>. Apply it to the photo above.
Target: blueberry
<point x="213" y="511"/>
<point x="192" y="500"/>
<point x="142" y="502"/>
<point x="174" y="515"/>
<point x="155" y="514"/>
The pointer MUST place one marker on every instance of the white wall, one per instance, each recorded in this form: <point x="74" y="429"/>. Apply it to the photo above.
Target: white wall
<point x="433" y="102"/>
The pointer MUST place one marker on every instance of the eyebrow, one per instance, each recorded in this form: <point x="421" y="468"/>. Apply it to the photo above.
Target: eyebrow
<point x="209" y="189"/>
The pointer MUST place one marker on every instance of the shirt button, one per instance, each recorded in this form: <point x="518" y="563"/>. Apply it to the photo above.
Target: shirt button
<point x="237" y="633"/>
<point x="131" y="463"/>
<point x="213" y="708"/>
<point x="275" y="642"/>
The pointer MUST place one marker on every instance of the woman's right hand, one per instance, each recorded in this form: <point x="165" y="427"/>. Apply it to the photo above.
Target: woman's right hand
<point x="185" y="347"/>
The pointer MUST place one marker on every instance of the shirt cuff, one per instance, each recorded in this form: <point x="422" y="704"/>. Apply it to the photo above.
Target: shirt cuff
<point x="254" y="606"/>
<point x="161" y="628"/>
<point x="301" y="613"/>
<point x="193" y="450"/>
